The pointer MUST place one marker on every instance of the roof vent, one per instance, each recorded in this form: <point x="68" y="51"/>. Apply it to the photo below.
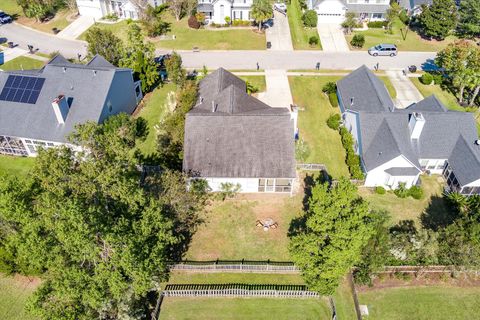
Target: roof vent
<point x="94" y="73"/>
<point x="64" y="69"/>
<point x="352" y="99"/>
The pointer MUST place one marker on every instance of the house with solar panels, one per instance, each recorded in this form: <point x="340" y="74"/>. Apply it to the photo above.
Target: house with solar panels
<point x="40" y="108"/>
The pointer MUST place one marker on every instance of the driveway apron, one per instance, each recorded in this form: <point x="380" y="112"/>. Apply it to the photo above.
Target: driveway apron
<point x="278" y="93"/>
<point x="407" y="93"/>
<point x="332" y="37"/>
<point x="279" y="34"/>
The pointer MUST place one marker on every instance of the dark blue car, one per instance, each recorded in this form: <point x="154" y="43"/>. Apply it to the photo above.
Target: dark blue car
<point x="4" y="18"/>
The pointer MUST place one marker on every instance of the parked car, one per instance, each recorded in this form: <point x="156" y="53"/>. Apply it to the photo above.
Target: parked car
<point x="4" y="18"/>
<point x="282" y="7"/>
<point x="383" y="49"/>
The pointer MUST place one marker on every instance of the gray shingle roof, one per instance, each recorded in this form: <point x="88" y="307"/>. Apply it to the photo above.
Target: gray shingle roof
<point x="368" y="8"/>
<point x="205" y="7"/>
<point x="231" y="134"/>
<point x="465" y="161"/>
<point x="430" y="103"/>
<point x="368" y="92"/>
<point x="86" y="91"/>
<point x="399" y="171"/>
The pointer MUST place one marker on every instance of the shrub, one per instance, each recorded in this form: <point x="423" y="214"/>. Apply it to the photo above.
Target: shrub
<point x="426" y="78"/>
<point x="302" y="150"/>
<point x="401" y="191"/>
<point x="437" y="78"/>
<point x="241" y="23"/>
<point x="330" y="87"/>
<point x="380" y="190"/>
<point x="310" y="18"/>
<point x="333" y="122"/>
<point x="352" y="160"/>
<point x="228" y="20"/>
<point x="193" y="22"/>
<point x="332" y="97"/>
<point x="200" y="17"/>
<point x="358" y="40"/>
<point x="376" y="24"/>
<point x="228" y="190"/>
<point x="416" y="192"/>
<point x="111" y="17"/>
<point x="313" y="41"/>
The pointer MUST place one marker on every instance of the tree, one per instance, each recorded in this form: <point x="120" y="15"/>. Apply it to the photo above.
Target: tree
<point x="140" y="57"/>
<point x="104" y="43"/>
<point x="438" y="19"/>
<point x="142" y="7"/>
<point x="152" y="21"/>
<point x="393" y="13"/>
<point x="310" y="18"/>
<point x="338" y="226"/>
<point x="175" y="71"/>
<point x="37" y="9"/>
<point x="350" y="21"/>
<point x="469" y="18"/>
<point x="261" y="10"/>
<point x="460" y="62"/>
<point x="177" y="8"/>
<point x="100" y="236"/>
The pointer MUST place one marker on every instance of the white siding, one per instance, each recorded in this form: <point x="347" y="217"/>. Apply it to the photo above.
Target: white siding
<point x="91" y="8"/>
<point x="218" y="17"/>
<point x="330" y="11"/>
<point x="435" y="166"/>
<point x="378" y="176"/>
<point x="473" y="184"/>
<point x="248" y="185"/>
<point x="351" y="124"/>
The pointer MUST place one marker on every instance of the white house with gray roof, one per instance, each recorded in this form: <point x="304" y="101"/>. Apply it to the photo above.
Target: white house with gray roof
<point x="40" y="108"/>
<point x="232" y="137"/>
<point x="217" y="10"/>
<point x="397" y="145"/>
<point x="333" y="11"/>
<point x="124" y="9"/>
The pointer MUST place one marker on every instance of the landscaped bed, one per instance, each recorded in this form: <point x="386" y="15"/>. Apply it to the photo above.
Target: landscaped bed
<point x="300" y="35"/>
<point x="413" y="41"/>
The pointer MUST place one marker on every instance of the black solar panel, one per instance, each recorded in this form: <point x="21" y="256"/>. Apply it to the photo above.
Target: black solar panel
<point x="22" y="89"/>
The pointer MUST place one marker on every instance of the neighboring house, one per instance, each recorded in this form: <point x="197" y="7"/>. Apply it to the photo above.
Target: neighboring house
<point x="397" y="145"/>
<point x="124" y="9"/>
<point x="333" y="11"/>
<point x="414" y="7"/>
<point x="232" y="137"/>
<point x="40" y="108"/>
<point x="217" y="10"/>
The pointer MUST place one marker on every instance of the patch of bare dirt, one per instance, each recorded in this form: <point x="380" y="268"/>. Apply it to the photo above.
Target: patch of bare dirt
<point x="27" y="281"/>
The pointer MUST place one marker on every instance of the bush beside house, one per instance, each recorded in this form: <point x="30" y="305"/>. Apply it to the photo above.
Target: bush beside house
<point x="310" y="19"/>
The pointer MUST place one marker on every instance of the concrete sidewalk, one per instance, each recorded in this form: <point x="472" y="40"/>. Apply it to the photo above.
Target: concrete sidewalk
<point x="332" y="37"/>
<point x="407" y="93"/>
<point x="76" y="28"/>
<point x="278" y="93"/>
<point x="279" y="34"/>
<point x="10" y="54"/>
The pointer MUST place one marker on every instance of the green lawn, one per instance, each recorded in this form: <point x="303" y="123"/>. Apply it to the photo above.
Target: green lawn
<point x="389" y="85"/>
<point x="229" y="230"/>
<point x="11" y="7"/>
<point x="13" y="295"/>
<point x="422" y="303"/>
<point x="344" y="304"/>
<point x="18" y="166"/>
<point x="187" y="38"/>
<point x="446" y="97"/>
<point x="256" y="81"/>
<point x="324" y="143"/>
<point x="22" y="62"/>
<point x="413" y="41"/>
<point x="244" y="309"/>
<point x="409" y="208"/>
<point x="153" y="110"/>
<point x="298" y="32"/>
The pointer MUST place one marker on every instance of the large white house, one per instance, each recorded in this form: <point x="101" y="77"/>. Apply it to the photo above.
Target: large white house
<point x="397" y="145"/>
<point x="40" y="108"/>
<point x="333" y="11"/>
<point x="232" y="137"/>
<point x="217" y="10"/>
<point x="122" y="8"/>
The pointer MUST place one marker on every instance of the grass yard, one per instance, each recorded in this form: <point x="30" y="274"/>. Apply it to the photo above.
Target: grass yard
<point x="422" y="303"/>
<point x="389" y="85"/>
<point x="14" y="292"/>
<point x="22" y="62"/>
<point x="11" y="7"/>
<point x="413" y="41"/>
<point x="60" y="21"/>
<point x="298" y="32"/>
<point x="446" y="97"/>
<point x="187" y="38"/>
<point x="344" y="304"/>
<point x="324" y="143"/>
<point x="244" y="309"/>
<point x="257" y="81"/>
<point x="409" y="208"/>
<point x="153" y="110"/>
<point x="17" y="166"/>
<point x="229" y="231"/>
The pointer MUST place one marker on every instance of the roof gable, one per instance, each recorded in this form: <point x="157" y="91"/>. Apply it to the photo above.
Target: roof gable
<point x="465" y="161"/>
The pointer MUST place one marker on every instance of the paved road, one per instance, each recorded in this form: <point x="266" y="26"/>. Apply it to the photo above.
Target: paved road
<point x="231" y="59"/>
<point x="45" y="42"/>
<point x="279" y="34"/>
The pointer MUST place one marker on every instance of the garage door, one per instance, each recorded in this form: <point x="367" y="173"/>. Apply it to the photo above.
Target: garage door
<point x="89" y="11"/>
<point x="330" y="17"/>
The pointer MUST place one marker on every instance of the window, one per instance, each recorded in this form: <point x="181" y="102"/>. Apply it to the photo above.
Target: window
<point x="423" y="164"/>
<point x="441" y="164"/>
<point x="377" y="15"/>
<point x="431" y="164"/>
<point x="12" y="146"/>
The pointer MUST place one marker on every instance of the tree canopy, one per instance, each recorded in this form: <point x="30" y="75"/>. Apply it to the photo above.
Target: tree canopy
<point x="100" y="235"/>
<point x="469" y="18"/>
<point x="338" y="226"/>
<point x="104" y="43"/>
<point x="439" y="19"/>
<point x="261" y="10"/>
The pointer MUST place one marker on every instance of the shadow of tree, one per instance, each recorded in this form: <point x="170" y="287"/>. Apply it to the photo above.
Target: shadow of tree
<point x="438" y="214"/>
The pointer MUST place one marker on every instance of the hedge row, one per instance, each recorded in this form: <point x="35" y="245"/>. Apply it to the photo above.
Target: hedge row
<point x="352" y="159"/>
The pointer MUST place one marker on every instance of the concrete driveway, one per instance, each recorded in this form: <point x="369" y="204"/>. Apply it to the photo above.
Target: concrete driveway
<point x="332" y="37"/>
<point x="76" y="28"/>
<point x="278" y="93"/>
<point x="279" y="33"/>
<point x="407" y="93"/>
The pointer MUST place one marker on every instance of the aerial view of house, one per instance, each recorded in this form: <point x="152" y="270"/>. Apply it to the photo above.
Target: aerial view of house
<point x="333" y="11"/>
<point x="42" y="107"/>
<point x="397" y="145"/>
<point x="232" y="137"/>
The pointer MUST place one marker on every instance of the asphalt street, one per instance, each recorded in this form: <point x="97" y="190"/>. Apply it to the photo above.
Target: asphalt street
<point x="241" y="59"/>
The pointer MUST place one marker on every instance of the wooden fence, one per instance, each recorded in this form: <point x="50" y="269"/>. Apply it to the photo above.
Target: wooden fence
<point x="236" y="267"/>
<point x="239" y="290"/>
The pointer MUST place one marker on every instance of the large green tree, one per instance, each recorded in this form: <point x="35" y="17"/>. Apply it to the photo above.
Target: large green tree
<point x="100" y="234"/>
<point x="438" y="19"/>
<point x="175" y="70"/>
<point x="261" y="10"/>
<point x="338" y="226"/>
<point x="37" y="9"/>
<point x="469" y="18"/>
<point x="104" y="43"/>
<point x="139" y="56"/>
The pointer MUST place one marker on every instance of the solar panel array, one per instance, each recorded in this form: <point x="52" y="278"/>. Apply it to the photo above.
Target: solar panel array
<point x="22" y="89"/>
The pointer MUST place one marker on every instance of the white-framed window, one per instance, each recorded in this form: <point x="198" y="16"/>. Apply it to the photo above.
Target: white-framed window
<point x="377" y="15"/>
